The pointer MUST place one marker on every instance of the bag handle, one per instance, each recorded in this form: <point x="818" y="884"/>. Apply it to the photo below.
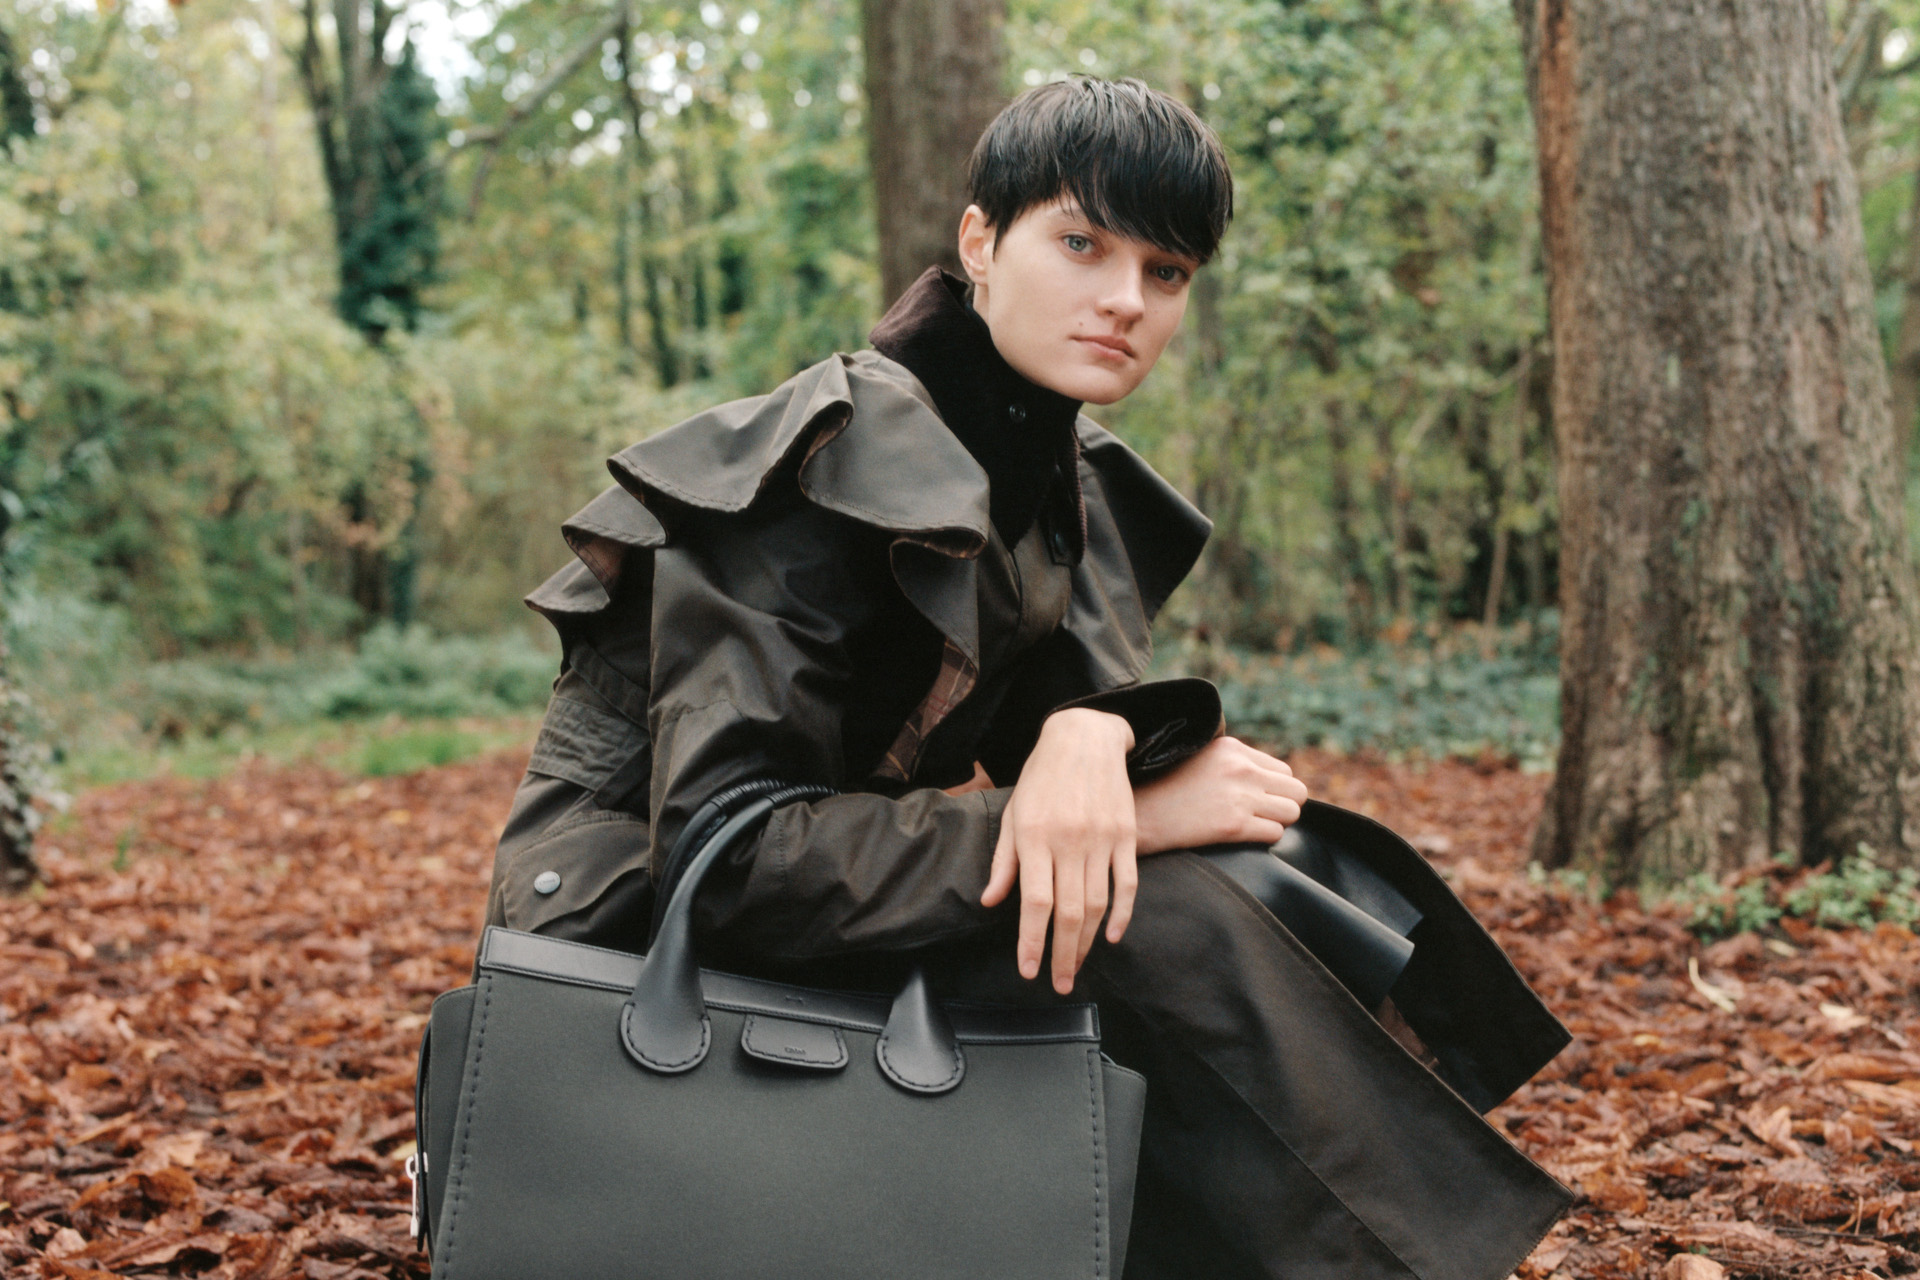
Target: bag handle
<point x="664" y="1024"/>
<point x="705" y="824"/>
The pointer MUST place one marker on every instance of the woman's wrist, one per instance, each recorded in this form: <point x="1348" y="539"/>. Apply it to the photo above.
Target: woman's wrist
<point x="1085" y="722"/>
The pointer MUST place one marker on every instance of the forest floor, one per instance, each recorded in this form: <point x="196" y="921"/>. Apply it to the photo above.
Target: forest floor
<point x="208" y="1022"/>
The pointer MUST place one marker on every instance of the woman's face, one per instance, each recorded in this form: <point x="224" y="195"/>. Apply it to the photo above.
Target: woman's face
<point x="1076" y="309"/>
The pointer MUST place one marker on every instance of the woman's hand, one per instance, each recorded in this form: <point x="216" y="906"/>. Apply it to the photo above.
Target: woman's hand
<point x="1227" y="792"/>
<point x="1068" y="827"/>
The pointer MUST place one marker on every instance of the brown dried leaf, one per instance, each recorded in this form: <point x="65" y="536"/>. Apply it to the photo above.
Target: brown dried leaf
<point x="240" y="1044"/>
<point x="1774" y="1128"/>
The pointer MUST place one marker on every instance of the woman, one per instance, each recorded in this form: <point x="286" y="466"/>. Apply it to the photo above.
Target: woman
<point x="918" y="574"/>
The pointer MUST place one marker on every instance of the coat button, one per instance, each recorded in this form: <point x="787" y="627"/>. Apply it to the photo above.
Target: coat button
<point x="1062" y="546"/>
<point x="1016" y="413"/>
<point x="546" y="882"/>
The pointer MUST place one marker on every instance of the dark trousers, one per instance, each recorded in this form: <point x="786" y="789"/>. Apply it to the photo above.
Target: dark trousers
<point x="1287" y="1133"/>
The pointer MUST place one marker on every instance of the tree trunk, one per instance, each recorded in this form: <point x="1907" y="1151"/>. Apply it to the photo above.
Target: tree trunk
<point x="18" y="870"/>
<point x="1738" y="667"/>
<point x="934" y="70"/>
<point x="16" y="103"/>
<point x="1904" y="372"/>
<point x="1356" y="581"/>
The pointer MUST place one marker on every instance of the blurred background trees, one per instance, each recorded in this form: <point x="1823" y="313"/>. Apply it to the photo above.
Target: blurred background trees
<point x="935" y="75"/>
<point x="317" y="318"/>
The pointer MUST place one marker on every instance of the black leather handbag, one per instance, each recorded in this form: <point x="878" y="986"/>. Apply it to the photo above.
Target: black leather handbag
<point x="591" y="1114"/>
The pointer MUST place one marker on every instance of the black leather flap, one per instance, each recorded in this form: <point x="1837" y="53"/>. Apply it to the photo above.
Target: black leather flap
<point x="794" y="1044"/>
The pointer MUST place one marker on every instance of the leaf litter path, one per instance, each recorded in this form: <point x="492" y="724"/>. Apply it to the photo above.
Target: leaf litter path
<point x="208" y="1023"/>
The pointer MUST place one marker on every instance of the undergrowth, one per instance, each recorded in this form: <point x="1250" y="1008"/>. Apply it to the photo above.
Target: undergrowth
<point x="403" y="700"/>
<point x="1860" y="893"/>
<point x="410" y="673"/>
<point x="1452" y="693"/>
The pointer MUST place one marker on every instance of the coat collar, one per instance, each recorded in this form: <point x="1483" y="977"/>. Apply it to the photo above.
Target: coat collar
<point x="1020" y="433"/>
<point x="860" y="436"/>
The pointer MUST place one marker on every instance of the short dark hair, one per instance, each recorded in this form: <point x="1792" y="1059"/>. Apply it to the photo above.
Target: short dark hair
<point x="1140" y="163"/>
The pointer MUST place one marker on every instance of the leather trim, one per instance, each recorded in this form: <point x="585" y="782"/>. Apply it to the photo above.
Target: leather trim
<point x="645" y="1053"/>
<point x="577" y="963"/>
<point x="918" y="1051"/>
<point x="790" y="1042"/>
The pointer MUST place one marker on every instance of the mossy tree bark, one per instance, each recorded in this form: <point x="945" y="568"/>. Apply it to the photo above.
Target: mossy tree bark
<point x="934" y="80"/>
<point x="1738" y="664"/>
<point x="18" y="869"/>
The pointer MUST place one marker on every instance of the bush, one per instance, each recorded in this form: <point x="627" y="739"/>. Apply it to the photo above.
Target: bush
<point x="410" y="673"/>
<point x="1437" y="698"/>
<point x="1859" y="894"/>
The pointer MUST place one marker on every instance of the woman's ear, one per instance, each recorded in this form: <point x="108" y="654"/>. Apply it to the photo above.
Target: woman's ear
<point x="976" y="243"/>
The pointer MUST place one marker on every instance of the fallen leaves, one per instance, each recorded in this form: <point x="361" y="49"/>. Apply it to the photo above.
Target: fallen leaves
<point x="1691" y="1266"/>
<point x="208" y="1022"/>
<point x="206" y="1055"/>
<point x="1750" y="1107"/>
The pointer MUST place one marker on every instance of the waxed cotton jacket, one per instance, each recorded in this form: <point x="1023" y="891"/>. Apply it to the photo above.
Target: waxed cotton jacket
<point x="806" y="586"/>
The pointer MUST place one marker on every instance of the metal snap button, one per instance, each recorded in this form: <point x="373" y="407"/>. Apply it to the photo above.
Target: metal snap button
<point x="546" y="882"/>
<point x="1017" y="413"/>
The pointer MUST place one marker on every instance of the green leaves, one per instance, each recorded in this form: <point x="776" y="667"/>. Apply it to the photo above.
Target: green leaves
<point x="1422" y="699"/>
<point x="1859" y="894"/>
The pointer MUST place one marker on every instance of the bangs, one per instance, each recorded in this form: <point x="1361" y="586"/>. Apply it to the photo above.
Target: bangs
<point x="1139" y="163"/>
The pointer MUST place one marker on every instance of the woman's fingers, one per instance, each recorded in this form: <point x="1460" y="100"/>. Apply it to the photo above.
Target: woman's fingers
<point x="1276" y="808"/>
<point x="1098" y="870"/>
<point x="1264" y="830"/>
<point x="1126" y="882"/>
<point x="1001" y="874"/>
<point x="1037" y="884"/>
<point x="1069" y="914"/>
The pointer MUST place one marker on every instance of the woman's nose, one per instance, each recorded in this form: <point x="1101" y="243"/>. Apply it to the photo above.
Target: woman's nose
<point x="1122" y="298"/>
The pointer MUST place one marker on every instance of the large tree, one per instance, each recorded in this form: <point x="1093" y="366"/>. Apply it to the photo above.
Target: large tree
<point x="374" y="117"/>
<point x="16" y="104"/>
<point x="1738" y="666"/>
<point x="934" y="79"/>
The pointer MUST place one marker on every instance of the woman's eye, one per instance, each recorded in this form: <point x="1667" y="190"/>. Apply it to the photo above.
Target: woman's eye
<point x="1170" y="274"/>
<point x="1078" y="244"/>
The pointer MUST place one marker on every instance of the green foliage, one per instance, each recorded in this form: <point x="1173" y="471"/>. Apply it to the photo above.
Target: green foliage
<point x="201" y="463"/>
<point x="410" y="673"/>
<point x="748" y="196"/>
<point x="1357" y="399"/>
<point x="1858" y="894"/>
<point x="1716" y="912"/>
<point x="1437" y="697"/>
<point x="1349" y="400"/>
<point x="416" y="749"/>
<point x="413" y="673"/>
<point x="16" y="103"/>
<point x="1574" y="881"/>
<point x="389" y="255"/>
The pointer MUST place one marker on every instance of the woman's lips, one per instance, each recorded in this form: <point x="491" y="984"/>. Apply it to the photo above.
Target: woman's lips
<point x="1108" y="348"/>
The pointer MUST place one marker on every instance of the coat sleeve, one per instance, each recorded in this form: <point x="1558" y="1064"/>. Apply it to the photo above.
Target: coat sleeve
<point x="752" y="616"/>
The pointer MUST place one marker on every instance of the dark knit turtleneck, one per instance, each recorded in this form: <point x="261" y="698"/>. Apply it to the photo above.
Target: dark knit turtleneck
<point x="1021" y="434"/>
